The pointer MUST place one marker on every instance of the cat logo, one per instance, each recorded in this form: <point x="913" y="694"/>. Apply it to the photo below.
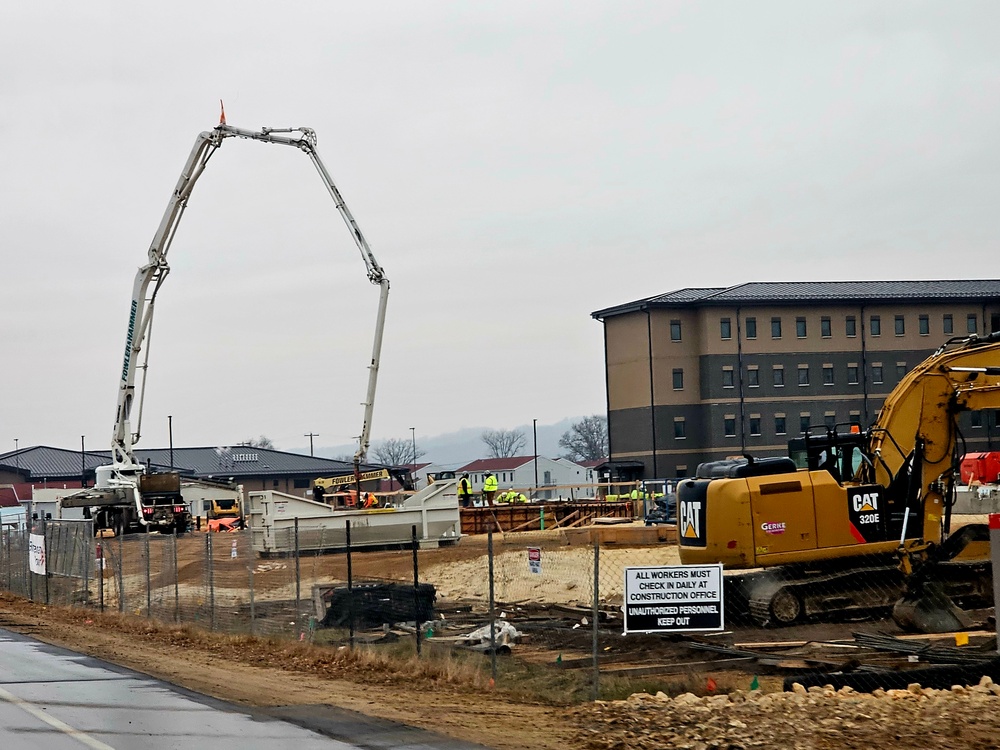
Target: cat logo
<point x="865" y="503"/>
<point x="690" y="527"/>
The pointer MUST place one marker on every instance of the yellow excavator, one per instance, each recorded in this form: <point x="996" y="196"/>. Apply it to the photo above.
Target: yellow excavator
<point x="853" y="522"/>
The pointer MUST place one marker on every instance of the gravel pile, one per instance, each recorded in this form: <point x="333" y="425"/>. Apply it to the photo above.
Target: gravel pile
<point x="963" y="718"/>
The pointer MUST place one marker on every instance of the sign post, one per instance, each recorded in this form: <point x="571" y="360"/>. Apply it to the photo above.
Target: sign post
<point x="673" y="599"/>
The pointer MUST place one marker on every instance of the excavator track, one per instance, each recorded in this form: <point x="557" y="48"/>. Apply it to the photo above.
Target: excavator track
<point x="784" y="596"/>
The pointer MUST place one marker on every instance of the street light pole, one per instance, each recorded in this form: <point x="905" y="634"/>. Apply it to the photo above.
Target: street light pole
<point x="83" y="461"/>
<point x="170" y="432"/>
<point x="413" y="439"/>
<point x="534" y="432"/>
<point x="17" y="458"/>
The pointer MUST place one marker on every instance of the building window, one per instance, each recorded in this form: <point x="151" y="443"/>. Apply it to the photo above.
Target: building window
<point x="977" y="418"/>
<point x="779" y="425"/>
<point x="900" y="323"/>
<point x="803" y="423"/>
<point x="852" y="374"/>
<point x="727" y="328"/>
<point x="678" y="379"/>
<point x="800" y="327"/>
<point x="679" y="428"/>
<point x="727" y="377"/>
<point x="876" y="373"/>
<point x="300" y="484"/>
<point x="876" y="325"/>
<point x="751" y="328"/>
<point x="851" y="326"/>
<point x="779" y="376"/>
<point x="675" y="330"/>
<point x="729" y="426"/>
<point x="971" y="323"/>
<point x="274" y="483"/>
<point x="825" y="329"/>
<point x="924" y="322"/>
<point x="900" y="370"/>
<point x="681" y="472"/>
<point x="803" y="374"/>
<point x="827" y="374"/>
<point x="856" y="418"/>
<point x="755" y="424"/>
<point x="753" y="377"/>
<point x="775" y="328"/>
<point x="830" y="420"/>
<point x="948" y="323"/>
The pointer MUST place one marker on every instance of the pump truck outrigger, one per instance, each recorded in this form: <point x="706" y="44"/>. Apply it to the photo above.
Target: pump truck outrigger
<point x="126" y="496"/>
<point x="860" y="521"/>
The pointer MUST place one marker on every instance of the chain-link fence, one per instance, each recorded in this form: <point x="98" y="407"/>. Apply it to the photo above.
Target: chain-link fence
<point x="593" y="611"/>
<point x="217" y="580"/>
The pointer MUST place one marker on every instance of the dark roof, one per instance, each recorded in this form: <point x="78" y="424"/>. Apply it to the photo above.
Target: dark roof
<point x="494" y="464"/>
<point x="8" y="498"/>
<point x="43" y="462"/>
<point x="239" y="461"/>
<point x="830" y="292"/>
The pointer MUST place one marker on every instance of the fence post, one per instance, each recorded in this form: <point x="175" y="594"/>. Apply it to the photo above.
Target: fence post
<point x="88" y="534"/>
<point x="595" y="688"/>
<point x="298" y="583"/>
<point x="99" y="555"/>
<point x="177" y="582"/>
<point x="149" y="593"/>
<point x="493" y="621"/>
<point x="45" y="543"/>
<point x="120" y="568"/>
<point x="416" y="590"/>
<point x="253" y="614"/>
<point x="350" y="587"/>
<point x="211" y="577"/>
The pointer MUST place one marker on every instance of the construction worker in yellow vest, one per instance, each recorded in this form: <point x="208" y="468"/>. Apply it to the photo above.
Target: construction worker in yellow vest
<point x="517" y="497"/>
<point x="489" y="488"/>
<point x="465" y="491"/>
<point x="507" y="496"/>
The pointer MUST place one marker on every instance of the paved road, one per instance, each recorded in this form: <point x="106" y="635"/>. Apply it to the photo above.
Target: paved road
<point x="53" y="699"/>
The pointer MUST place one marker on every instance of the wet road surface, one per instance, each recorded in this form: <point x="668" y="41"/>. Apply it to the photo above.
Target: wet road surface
<point x="54" y="699"/>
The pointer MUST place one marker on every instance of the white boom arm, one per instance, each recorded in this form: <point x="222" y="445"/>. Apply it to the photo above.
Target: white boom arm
<point x="150" y="277"/>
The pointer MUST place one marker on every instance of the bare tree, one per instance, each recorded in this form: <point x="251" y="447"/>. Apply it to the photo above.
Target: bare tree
<point x="396" y="452"/>
<point x="262" y="442"/>
<point x="504" y="443"/>
<point x="586" y="440"/>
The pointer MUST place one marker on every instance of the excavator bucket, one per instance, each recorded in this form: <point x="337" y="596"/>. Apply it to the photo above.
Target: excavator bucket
<point x="927" y="609"/>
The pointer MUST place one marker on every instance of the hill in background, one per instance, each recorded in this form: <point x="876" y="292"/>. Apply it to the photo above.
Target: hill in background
<point x="454" y="449"/>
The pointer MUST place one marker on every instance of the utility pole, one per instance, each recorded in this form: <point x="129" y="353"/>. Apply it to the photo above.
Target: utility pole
<point x="170" y="432"/>
<point x="83" y="461"/>
<point x="413" y="440"/>
<point x="311" y="435"/>
<point x="17" y="457"/>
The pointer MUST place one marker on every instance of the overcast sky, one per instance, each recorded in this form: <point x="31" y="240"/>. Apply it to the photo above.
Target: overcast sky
<point x="514" y="166"/>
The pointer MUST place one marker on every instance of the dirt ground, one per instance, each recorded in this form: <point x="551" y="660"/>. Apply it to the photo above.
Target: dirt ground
<point x="260" y="672"/>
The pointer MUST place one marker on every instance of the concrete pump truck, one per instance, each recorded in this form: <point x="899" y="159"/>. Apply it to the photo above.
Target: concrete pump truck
<point x="127" y="495"/>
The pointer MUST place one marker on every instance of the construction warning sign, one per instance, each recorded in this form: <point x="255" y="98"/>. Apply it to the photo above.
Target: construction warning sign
<point x="673" y="599"/>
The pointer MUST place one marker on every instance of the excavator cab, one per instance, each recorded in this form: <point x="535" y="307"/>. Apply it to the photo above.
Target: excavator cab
<point x="839" y="453"/>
